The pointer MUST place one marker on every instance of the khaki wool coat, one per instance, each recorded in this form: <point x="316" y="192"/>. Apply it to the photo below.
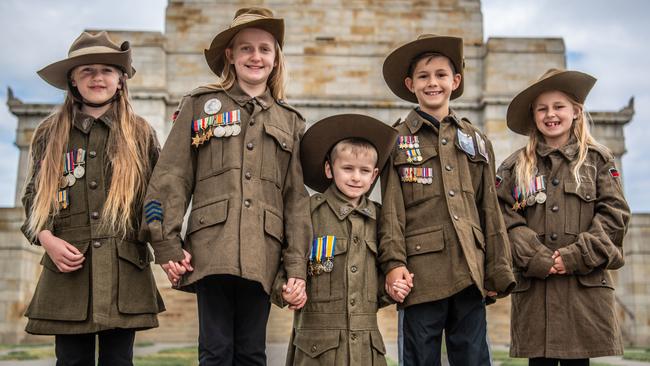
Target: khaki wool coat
<point x="115" y="287"/>
<point x="570" y="315"/>
<point x="338" y="325"/>
<point x="249" y="204"/>
<point x="449" y="233"/>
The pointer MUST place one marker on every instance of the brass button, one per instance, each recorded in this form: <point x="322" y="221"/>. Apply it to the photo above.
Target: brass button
<point x="252" y="122"/>
<point x="250" y="146"/>
<point x="452" y="193"/>
<point x="555" y="181"/>
<point x="355" y="239"/>
<point x="94" y="215"/>
<point x="97" y="244"/>
<point x="604" y="282"/>
<point x="456" y="217"/>
<point x="418" y="247"/>
<point x="554" y="236"/>
<point x="353" y="302"/>
<point x="555" y="208"/>
<point x="247" y="203"/>
<point x="318" y="198"/>
<point x="443" y="141"/>
<point x="353" y="337"/>
<point x="448" y="168"/>
<point x="284" y="144"/>
<point x="588" y="196"/>
<point x="353" y="269"/>
<point x="248" y="175"/>
<point x="92" y="185"/>
<point x="314" y="348"/>
<point x="92" y="154"/>
<point x="141" y="261"/>
<point x="201" y="220"/>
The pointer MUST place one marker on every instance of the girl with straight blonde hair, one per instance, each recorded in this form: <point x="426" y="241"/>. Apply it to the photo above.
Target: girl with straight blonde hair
<point x="90" y="164"/>
<point x="563" y="204"/>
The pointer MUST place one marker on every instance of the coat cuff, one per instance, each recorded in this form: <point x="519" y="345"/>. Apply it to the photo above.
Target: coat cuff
<point x="168" y="250"/>
<point x="502" y="282"/>
<point x="574" y="262"/>
<point x="540" y="264"/>
<point x="390" y="265"/>
<point x="296" y="268"/>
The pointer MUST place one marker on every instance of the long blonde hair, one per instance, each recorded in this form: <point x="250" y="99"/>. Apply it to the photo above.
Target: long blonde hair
<point x="526" y="165"/>
<point x="276" y="81"/>
<point x="129" y="144"/>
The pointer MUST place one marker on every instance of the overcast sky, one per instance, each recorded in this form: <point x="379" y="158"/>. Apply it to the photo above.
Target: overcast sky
<point x="603" y="38"/>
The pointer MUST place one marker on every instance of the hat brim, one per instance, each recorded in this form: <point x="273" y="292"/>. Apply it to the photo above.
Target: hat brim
<point x="56" y="74"/>
<point x="214" y="54"/>
<point x="396" y="65"/>
<point x="519" y="117"/>
<point x="324" y="134"/>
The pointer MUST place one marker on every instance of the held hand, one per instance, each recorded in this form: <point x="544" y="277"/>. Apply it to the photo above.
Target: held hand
<point x="396" y="274"/>
<point x="294" y="293"/>
<point x="65" y="256"/>
<point x="294" y="285"/>
<point x="401" y="289"/>
<point x="559" y="263"/>
<point x="175" y="270"/>
<point x="491" y="294"/>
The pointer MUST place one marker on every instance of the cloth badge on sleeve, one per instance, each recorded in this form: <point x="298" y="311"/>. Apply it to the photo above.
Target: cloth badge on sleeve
<point x="175" y="115"/>
<point x="613" y="172"/>
<point x="153" y="211"/>
<point x="466" y="143"/>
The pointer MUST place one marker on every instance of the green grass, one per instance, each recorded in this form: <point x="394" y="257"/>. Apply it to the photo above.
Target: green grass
<point x="390" y="362"/>
<point x="637" y="354"/>
<point x="29" y="352"/>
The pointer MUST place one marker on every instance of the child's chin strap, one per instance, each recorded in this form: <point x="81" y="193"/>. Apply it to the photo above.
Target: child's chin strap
<point x="97" y="105"/>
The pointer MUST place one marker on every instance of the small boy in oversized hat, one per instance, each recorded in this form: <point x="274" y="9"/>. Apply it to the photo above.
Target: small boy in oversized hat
<point x="341" y="156"/>
<point x="90" y="162"/>
<point x="440" y="218"/>
<point x="234" y="152"/>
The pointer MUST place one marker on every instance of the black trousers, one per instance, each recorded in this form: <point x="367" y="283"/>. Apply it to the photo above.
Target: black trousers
<point x="461" y="316"/>
<point x="554" y="362"/>
<point x="115" y="348"/>
<point x="233" y="313"/>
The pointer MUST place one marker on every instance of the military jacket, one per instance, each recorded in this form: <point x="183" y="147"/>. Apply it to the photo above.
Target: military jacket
<point x="115" y="287"/>
<point x="571" y="315"/>
<point x="249" y="203"/>
<point x="338" y="325"/>
<point x="440" y="215"/>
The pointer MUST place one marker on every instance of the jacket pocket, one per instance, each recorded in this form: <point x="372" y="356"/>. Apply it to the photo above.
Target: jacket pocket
<point x="330" y="286"/>
<point x="137" y="293"/>
<point x="206" y="215"/>
<point x="61" y="296"/>
<point x="429" y="241"/>
<point x="378" y="348"/>
<point x="276" y="153"/>
<point x="274" y="226"/>
<point x="316" y="347"/>
<point x="479" y="238"/>
<point x="580" y="201"/>
<point x="597" y="278"/>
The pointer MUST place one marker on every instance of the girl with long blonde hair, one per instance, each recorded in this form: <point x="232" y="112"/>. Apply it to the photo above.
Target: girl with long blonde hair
<point x="563" y="204"/>
<point x="90" y="164"/>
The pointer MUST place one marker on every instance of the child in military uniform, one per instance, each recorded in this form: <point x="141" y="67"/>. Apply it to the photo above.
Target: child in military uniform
<point x="234" y="152"/>
<point x="341" y="156"/>
<point x="90" y="163"/>
<point x="440" y="217"/>
<point x="563" y="205"/>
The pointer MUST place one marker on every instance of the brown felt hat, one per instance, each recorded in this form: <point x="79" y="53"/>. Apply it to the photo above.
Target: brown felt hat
<point x="397" y="63"/>
<point x="324" y="134"/>
<point x="574" y="83"/>
<point x="253" y="17"/>
<point x="89" y="49"/>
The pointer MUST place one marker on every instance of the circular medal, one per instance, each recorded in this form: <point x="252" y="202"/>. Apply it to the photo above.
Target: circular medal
<point x="429" y="180"/>
<point x="419" y="158"/>
<point x="71" y="179"/>
<point x="540" y="198"/>
<point x="410" y="145"/>
<point x="328" y="265"/>
<point x="418" y="180"/>
<point x="79" y="171"/>
<point x="416" y="145"/>
<point x="318" y="268"/>
<point x="228" y="130"/>
<point x="236" y="130"/>
<point x="530" y="200"/>
<point x="63" y="182"/>
<point x="212" y="106"/>
<point x="219" y="131"/>
<point x="310" y="269"/>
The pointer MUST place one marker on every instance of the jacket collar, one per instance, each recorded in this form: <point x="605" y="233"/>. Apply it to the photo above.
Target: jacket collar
<point x="241" y="97"/>
<point x="84" y="122"/>
<point x="342" y="208"/>
<point x="569" y="151"/>
<point x="414" y="121"/>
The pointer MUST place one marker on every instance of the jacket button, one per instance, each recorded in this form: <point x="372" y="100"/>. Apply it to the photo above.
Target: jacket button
<point x="456" y="217"/>
<point x="250" y="146"/>
<point x="92" y="154"/>
<point x="603" y="282"/>
<point x="353" y="269"/>
<point x="248" y="175"/>
<point x="588" y="196"/>
<point x="555" y="181"/>
<point x="284" y="144"/>
<point x="555" y="208"/>
<point x="97" y="244"/>
<point x="94" y="215"/>
<point x="201" y="220"/>
<point x="353" y="337"/>
<point x="418" y="247"/>
<point x="443" y="141"/>
<point x="355" y="239"/>
<point x="314" y="348"/>
<point x="554" y="236"/>
<point x="247" y="203"/>
<point x="448" y="168"/>
<point x="452" y="193"/>
<point x="92" y="185"/>
<point x="353" y="302"/>
<point x="141" y="261"/>
<point x="251" y="122"/>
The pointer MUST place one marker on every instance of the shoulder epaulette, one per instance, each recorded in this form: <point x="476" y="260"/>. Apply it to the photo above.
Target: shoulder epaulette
<point x="205" y="89"/>
<point x="510" y="161"/>
<point x="605" y="152"/>
<point x="283" y="103"/>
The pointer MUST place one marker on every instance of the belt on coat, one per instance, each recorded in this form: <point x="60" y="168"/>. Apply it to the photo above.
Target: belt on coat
<point x="336" y="321"/>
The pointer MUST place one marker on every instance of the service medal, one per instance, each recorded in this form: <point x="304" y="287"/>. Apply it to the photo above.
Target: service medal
<point x="63" y="182"/>
<point x="219" y="131"/>
<point x="540" y="198"/>
<point x="328" y="266"/>
<point x="228" y="130"/>
<point x="530" y="200"/>
<point x="236" y="130"/>
<point x="79" y="172"/>
<point x="71" y="179"/>
<point x="212" y="106"/>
